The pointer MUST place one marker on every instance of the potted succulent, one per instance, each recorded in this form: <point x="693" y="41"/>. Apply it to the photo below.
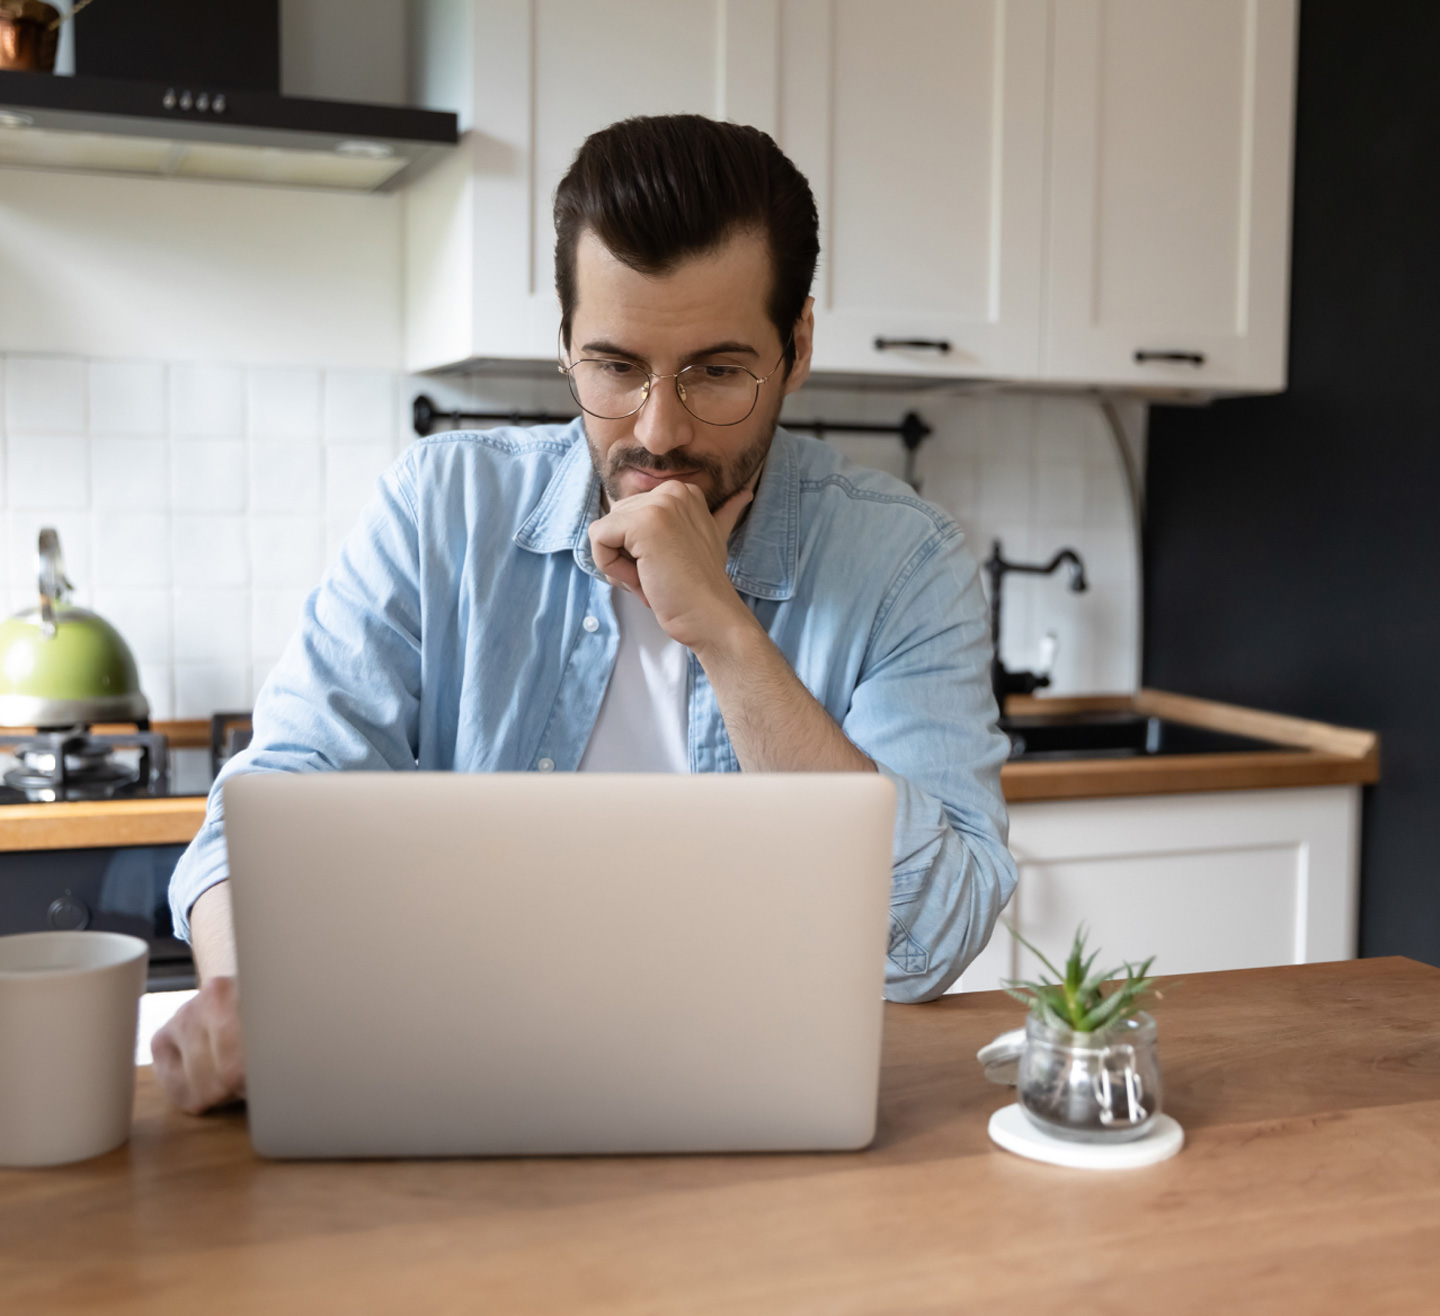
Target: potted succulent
<point x="1089" y="1070"/>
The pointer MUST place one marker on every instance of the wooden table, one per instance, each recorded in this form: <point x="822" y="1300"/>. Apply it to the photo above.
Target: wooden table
<point x="1310" y="1183"/>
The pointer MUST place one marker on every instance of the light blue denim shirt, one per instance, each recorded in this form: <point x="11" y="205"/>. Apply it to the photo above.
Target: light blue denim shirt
<point x="452" y="634"/>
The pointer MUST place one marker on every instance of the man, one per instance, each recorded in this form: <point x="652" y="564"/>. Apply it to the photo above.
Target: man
<point x="672" y="585"/>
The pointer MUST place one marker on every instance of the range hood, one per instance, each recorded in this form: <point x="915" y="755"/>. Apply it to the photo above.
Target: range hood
<point x="174" y="129"/>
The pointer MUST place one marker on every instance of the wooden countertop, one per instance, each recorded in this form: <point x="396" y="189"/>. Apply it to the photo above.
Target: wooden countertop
<point x="1310" y="1182"/>
<point x="79" y="825"/>
<point x="1307" y="754"/>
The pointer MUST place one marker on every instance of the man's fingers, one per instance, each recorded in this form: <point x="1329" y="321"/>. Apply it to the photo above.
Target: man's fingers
<point x="199" y="1055"/>
<point x="181" y="1060"/>
<point x="728" y="514"/>
<point x="636" y="589"/>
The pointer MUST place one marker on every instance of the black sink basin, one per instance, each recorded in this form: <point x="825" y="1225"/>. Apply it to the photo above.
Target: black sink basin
<point x="1045" y="737"/>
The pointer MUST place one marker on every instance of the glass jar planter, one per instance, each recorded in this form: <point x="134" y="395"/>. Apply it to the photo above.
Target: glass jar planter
<point x="1091" y="1087"/>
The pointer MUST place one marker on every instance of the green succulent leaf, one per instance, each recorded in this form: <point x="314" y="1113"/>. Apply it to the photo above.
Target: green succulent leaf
<point x="1078" y="999"/>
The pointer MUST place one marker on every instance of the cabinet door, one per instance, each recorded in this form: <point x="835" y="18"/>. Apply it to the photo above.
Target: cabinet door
<point x="1169" y="206"/>
<point x="921" y="126"/>
<point x="541" y="76"/>
<point x="1223" y="880"/>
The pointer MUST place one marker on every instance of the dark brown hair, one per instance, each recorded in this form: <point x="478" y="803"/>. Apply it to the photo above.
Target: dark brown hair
<point x="661" y="189"/>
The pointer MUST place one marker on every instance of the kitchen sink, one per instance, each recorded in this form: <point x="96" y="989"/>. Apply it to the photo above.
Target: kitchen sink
<point x="1043" y="737"/>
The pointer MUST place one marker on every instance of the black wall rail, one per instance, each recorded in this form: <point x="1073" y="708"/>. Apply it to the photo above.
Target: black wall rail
<point x="912" y="431"/>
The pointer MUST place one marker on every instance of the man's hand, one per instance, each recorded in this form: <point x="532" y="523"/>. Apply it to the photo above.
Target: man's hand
<point x="666" y="546"/>
<point x="199" y="1060"/>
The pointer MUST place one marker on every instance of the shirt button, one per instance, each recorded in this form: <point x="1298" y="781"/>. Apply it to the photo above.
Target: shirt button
<point x="590" y="624"/>
<point x="545" y="765"/>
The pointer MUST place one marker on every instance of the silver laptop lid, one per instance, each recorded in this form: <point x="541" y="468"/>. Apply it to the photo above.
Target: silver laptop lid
<point x="455" y="964"/>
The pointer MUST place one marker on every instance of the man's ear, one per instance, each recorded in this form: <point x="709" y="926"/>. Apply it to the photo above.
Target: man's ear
<point x="804" y="336"/>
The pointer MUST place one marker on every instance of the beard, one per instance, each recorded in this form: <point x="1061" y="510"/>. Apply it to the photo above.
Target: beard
<point x="720" y="479"/>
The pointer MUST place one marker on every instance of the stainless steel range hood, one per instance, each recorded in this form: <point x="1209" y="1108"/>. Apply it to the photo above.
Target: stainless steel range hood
<point x="110" y="125"/>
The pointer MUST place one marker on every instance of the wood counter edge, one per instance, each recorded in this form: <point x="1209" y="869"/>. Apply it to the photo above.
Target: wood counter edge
<point x="1307" y="754"/>
<point x="83" y="824"/>
<point x="1294" y="732"/>
<point x="1318" y="754"/>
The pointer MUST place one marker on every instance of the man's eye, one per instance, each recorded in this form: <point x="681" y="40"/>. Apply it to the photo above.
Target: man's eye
<point x="617" y="369"/>
<point x="721" y="373"/>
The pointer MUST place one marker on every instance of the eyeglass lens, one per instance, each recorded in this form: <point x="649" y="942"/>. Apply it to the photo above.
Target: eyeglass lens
<point x="610" y="390"/>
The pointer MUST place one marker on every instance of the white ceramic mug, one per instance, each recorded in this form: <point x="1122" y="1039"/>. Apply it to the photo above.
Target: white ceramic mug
<point x="69" y="1007"/>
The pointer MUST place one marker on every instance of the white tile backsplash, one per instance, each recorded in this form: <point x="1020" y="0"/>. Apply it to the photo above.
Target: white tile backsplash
<point x="283" y="403"/>
<point x="207" y="402"/>
<point x="208" y="498"/>
<point x="212" y="626"/>
<point x="127" y="397"/>
<point x="211" y="550"/>
<point x="350" y="474"/>
<point x="286" y="477"/>
<point x="47" y="470"/>
<point x="1005" y="490"/>
<point x="359" y="406"/>
<point x="1106" y="499"/>
<point x="142" y="616"/>
<point x="130" y="474"/>
<point x="203" y="689"/>
<point x="157" y="680"/>
<point x="131" y="548"/>
<point x="1059" y="492"/>
<point x="274" y="617"/>
<point x="285" y="552"/>
<point x="45" y="394"/>
<point x="208" y="475"/>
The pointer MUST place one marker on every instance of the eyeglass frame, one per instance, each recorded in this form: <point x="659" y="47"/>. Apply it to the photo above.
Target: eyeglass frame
<point x="652" y="378"/>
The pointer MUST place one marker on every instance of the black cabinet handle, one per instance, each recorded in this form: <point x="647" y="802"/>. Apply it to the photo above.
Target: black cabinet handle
<point x="1184" y="358"/>
<point x="912" y="344"/>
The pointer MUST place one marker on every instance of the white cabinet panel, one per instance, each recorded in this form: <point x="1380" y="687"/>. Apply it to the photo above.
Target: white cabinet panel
<point x="1046" y="186"/>
<point x="920" y="125"/>
<point x="544" y="74"/>
<point x="1170" y="192"/>
<point x="1222" y="880"/>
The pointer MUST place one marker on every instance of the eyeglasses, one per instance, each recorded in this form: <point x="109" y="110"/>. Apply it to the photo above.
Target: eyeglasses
<point x="714" y="394"/>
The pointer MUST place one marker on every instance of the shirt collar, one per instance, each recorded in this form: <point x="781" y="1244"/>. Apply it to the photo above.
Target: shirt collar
<point x="763" y="552"/>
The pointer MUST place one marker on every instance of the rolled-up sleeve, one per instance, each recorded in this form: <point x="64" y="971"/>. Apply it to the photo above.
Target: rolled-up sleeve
<point x="346" y="693"/>
<point x="924" y="711"/>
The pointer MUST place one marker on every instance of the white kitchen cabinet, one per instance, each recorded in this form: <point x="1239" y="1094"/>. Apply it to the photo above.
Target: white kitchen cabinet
<point x="921" y="127"/>
<point x="1220" y="880"/>
<point x="1169" y="193"/>
<point x="531" y="80"/>
<point x="1047" y="186"/>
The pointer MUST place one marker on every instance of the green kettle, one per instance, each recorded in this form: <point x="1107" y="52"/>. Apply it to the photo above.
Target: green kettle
<point x="62" y="666"/>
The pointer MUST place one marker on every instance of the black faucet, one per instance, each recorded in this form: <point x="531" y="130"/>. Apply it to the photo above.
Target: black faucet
<point x="1002" y="680"/>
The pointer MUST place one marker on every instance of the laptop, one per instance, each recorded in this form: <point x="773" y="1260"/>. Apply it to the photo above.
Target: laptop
<point x="448" y="964"/>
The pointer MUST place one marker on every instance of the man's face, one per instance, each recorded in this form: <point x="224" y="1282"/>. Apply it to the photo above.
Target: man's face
<point x="709" y="310"/>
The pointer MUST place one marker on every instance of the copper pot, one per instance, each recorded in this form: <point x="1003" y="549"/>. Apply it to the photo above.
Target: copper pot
<point x="29" y="34"/>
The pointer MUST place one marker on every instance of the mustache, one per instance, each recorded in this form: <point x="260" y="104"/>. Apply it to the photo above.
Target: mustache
<point x="661" y="462"/>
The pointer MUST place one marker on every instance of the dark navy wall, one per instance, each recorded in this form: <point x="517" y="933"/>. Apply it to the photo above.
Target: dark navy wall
<point x="1293" y="543"/>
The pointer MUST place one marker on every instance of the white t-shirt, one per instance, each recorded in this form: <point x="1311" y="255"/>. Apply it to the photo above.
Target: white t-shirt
<point x="644" y="722"/>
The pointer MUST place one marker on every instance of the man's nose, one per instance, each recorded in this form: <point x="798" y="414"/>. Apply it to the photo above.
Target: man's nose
<point x="663" y="423"/>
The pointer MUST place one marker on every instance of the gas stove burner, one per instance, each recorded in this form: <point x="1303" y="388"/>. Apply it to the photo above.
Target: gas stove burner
<point x="71" y="764"/>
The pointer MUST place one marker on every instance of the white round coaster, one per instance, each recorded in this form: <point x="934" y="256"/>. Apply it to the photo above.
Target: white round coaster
<point x="1012" y="1129"/>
